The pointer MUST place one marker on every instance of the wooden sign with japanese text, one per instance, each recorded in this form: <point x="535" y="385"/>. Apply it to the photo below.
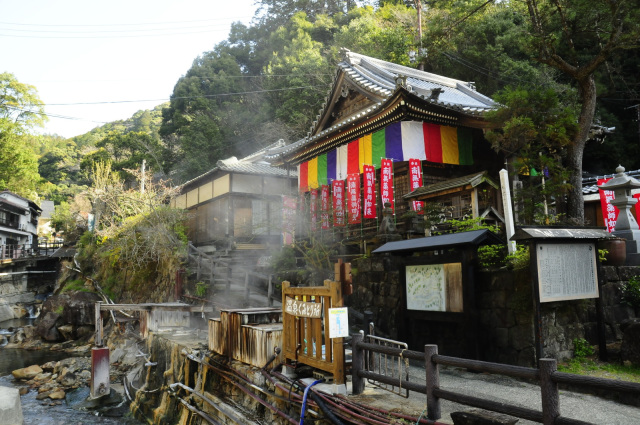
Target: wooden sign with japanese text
<point x="303" y="309"/>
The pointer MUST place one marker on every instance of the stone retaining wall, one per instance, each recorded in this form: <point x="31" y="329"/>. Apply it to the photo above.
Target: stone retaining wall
<point x="504" y="301"/>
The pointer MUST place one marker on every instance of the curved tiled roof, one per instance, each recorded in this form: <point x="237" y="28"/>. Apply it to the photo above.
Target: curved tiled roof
<point x="380" y="79"/>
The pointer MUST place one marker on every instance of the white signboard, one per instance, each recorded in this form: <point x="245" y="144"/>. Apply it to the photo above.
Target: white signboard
<point x="338" y="322"/>
<point x="567" y="271"/>
<point x="426" y="287"/>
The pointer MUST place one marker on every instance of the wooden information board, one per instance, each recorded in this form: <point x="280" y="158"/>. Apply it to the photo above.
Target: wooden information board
<point x="566" y="271"/>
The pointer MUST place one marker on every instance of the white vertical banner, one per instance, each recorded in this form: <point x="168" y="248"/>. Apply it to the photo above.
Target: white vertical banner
<point x="508" y="210"/>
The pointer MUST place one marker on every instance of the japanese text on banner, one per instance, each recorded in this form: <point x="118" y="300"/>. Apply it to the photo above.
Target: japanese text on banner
<point x="386" y="182"/>
<point x="369" y="178"/>
<point x="337" y="187"/>
<point x="353" y="187"/>
<point x="415" y="175"/>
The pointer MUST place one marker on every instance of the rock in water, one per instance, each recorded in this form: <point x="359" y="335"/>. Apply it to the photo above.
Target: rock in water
<point x="27" y="372"/>
<point x="10" y="407"/>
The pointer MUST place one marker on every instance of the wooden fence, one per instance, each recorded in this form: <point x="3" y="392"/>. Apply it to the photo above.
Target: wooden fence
<point x="547" y="376"/>
<point x="306" y="327"/>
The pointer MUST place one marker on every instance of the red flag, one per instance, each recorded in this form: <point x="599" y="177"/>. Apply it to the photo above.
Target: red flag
<point x="415" y="181"/>
<point x="337" y="187"/>
<point x="288" y="218"/>
<point x="324" y="207"/>
<point x="313" y="208"/>
<point x="386" y="178"/>
<point x="369" y="178"/>
<point x="353" y="190"/>
<point x="609" y="212"/>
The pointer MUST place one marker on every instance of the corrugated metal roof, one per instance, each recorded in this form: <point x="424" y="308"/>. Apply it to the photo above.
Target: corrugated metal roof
<point x="474" y="237"/>
<point x="472" y="179"/>
<point x="527" y="233"/>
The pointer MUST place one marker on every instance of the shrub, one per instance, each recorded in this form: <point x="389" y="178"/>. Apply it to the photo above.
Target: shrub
<point x="491" y="256"/>
<point x="581" y="348"/>
<point x="519" y="260"/>
<point x="631" y="293"/>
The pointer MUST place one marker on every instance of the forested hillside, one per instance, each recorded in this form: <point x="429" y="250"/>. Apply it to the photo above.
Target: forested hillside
<point x="268" y="81"/>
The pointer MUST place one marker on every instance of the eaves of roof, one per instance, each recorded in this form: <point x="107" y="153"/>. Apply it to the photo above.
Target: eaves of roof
<point x="472" y="180"/>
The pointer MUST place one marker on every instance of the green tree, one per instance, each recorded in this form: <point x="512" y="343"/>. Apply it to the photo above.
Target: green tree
<point x="19" y="103"/>
<point x="533" y="130"/>
<point x="577" y="37"/>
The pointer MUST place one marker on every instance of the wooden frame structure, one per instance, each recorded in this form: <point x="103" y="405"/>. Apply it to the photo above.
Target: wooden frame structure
<point x="306" y="339"/>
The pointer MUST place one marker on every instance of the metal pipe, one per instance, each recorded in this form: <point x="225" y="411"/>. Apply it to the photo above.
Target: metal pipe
<point x="199" y="412"/>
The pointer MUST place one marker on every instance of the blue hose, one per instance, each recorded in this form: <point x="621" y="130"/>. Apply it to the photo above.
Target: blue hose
<point x="304" y="399"/>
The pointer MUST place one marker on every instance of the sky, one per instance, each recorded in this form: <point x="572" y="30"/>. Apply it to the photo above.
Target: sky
<point x="96" y="62"/>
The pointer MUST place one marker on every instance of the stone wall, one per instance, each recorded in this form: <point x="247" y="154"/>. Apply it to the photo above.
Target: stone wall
<point x="504" y="302"/>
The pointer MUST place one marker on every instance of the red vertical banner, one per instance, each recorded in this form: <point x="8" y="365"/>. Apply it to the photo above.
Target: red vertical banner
<point x="415" y="181"/>
<point x="609" y="212"/>
<point x="288" y="219"/>
<point x="353" y="190"/>
<point x="324" y="207"/>
<point x="337" y="187"/>
<point x="637" y="207"/>
<point x="369" y="181"/>
<point x="386" y="182"/>
<point x="313" y="208"/>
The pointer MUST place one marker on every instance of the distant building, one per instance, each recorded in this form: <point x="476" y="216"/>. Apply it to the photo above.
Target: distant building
<point x="44" y="221"/>
<point x="237" y="204"/>
<point x="18" y="223"/>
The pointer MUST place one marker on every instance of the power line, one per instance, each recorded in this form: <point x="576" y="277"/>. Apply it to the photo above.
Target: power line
<point x="122" y="24"/>
<point x="112" y="36"/>
<point x="205" y="96"/>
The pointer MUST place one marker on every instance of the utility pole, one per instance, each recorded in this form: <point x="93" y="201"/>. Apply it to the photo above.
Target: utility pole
<point x="638" y="118"/>
<point x="144" y="162"/>
<point x="418" y="4"/>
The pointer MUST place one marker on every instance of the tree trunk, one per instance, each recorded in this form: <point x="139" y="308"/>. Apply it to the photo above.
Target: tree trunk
<point x="575" y="200"/>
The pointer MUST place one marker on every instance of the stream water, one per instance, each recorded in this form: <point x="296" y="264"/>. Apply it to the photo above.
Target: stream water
<point x="40" y="412"/>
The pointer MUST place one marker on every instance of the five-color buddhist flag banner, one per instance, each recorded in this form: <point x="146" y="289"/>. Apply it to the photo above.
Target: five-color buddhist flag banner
<point x="399" y="142"/>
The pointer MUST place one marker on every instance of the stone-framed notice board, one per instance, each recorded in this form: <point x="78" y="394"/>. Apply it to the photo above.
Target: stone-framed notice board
<point x="567" y="271"/>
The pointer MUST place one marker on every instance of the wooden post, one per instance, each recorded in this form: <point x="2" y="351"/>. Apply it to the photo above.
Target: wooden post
<point x="270" y="291"/>
<point x="602" y="334"/>
<point x="357" y="364"/>
<point x="246" y="288"/>
<point x="98" y="337"/>
<point x="549" y="392"/>
<point x="337" y="343"/>
<point x="433" y="382"/>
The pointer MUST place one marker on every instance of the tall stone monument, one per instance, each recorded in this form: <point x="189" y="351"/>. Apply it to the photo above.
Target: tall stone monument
<point x="626" y="225"/>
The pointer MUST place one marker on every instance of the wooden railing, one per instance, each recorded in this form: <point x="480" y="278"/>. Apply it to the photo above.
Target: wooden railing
<point x="306" y="327"/>
<point x="23" y="250"/>
<point x="547" y="376"/>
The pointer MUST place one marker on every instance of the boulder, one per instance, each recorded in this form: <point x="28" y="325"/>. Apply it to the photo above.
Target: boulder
<point x="47" y="327"/>
<point x="27" y="372"/>
<point x="630" y="349"/>
<point x="67" y="332"/>
<point x="80" y="308"/>
<point x="57" y="394"/>
<point x="53" y="304"/>
<point x="10" y="407"/>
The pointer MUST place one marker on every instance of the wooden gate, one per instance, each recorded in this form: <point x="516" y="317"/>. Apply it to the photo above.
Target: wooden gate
<point x="306" y="327"/>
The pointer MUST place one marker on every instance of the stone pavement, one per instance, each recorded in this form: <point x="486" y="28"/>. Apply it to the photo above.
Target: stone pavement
<point x="573" y="405"/>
